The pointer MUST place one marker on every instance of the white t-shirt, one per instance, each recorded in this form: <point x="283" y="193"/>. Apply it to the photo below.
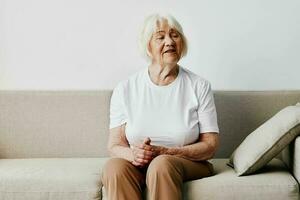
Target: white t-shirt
<point x="173" y="115"/>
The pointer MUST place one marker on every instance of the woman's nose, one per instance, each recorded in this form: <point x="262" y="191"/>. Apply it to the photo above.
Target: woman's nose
<point x="169" y="40"/>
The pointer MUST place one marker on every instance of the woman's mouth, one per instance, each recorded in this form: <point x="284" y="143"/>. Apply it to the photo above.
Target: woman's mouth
<point x="170" y="51"/>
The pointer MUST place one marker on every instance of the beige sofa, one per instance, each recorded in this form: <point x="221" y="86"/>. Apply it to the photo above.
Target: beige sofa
<point x="53" y="146"/>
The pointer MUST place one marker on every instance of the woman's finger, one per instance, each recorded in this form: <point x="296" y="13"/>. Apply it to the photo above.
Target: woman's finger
<point x="145" y="157"/>
<point x="142" y="161"/>
<point x="145" y="147"/>
<point x="147" y="141"/>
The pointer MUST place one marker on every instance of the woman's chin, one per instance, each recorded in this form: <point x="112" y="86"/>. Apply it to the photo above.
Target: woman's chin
<point x="170" y="60"/>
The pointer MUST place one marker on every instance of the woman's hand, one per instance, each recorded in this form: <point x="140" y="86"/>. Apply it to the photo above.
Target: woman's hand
<point x="142" y="153"/>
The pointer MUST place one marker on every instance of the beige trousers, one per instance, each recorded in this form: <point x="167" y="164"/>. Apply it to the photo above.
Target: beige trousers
<point x="163" y="177"/>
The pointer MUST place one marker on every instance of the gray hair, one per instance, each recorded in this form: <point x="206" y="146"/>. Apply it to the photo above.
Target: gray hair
<point x="150" y="26"/>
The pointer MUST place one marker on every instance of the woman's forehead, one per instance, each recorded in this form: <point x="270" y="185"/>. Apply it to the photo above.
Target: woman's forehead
<point x="162" y="23"/>
<point x="161" y="26"/>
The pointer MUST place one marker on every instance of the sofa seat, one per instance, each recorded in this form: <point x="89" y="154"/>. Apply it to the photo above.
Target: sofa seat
<point x="51" y="178"/>
<point x="80" y="179"/>
<point x="274" y="181"/>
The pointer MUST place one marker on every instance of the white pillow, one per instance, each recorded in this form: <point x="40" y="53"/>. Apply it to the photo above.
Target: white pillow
<point x="263" y="144"/>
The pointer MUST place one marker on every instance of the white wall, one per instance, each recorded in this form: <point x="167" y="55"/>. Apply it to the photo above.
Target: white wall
<point x="92" y="44"/>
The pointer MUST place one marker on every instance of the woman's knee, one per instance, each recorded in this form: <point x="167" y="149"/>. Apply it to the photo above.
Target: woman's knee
<point x="164" y="173"/>
<point x="162" y="164"/>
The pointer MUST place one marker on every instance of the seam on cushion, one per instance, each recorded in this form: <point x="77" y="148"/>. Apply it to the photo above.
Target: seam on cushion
<point x="276" y="143"/>
<point x="95" y="194"/>
<point x="290" y="186"/>
<point x="294" y="189"/>
<point x="48" y="191"/>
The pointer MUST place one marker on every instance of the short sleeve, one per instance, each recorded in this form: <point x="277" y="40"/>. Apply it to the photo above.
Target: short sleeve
<point x="207" y="114"/>
<point x="117" y="113"/>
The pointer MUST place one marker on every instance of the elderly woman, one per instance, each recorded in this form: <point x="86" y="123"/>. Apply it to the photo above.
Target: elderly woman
<point x="163" y="121"/>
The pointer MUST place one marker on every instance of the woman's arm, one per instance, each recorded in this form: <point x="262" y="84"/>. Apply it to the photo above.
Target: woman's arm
<point x="202" y="150"/>
<point x="118" y="147"/>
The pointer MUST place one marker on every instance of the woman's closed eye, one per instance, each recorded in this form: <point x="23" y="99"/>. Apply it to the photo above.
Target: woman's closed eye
<point x="160" y="37"/>
<point x="174" y="35"/>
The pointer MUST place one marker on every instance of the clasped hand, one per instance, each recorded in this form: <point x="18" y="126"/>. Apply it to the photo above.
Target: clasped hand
<point x="144" y="153"/>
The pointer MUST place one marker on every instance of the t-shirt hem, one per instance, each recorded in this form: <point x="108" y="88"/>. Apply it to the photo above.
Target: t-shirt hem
<point x="210" y="129"/>
<point x="114" y="125"/>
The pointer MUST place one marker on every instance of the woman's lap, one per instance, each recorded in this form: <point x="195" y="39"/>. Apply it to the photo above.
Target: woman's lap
<point x="188" y="169"/>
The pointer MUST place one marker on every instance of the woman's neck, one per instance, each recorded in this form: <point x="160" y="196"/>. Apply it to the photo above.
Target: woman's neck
<point x="163" y="75"/>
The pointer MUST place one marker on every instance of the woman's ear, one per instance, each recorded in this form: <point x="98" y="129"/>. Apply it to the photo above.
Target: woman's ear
<point x="149" y="50"/>
<point x="183" y="49"/>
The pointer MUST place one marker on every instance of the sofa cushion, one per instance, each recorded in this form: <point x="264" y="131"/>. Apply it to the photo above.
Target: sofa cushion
<point x="271" y="182"/>
<point x="264" y="143"/>
<point x="51" y="179"/>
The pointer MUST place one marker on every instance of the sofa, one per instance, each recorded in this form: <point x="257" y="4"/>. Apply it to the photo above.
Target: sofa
<point x="53" y="146"/>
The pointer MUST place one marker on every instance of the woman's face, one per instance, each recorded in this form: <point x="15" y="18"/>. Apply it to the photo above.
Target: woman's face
<point x="165" y="45"/>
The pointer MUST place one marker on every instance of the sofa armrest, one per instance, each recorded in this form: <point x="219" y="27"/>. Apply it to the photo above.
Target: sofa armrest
<point x="291" y="157"/>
